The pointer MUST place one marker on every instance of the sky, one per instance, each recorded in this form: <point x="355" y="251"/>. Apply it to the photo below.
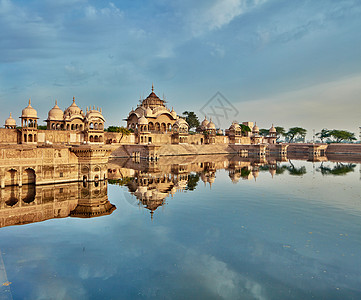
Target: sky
<point x="287" y="63"/>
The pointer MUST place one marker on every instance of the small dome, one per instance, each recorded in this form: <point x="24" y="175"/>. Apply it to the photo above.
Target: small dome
<point x="55" y="113"/>
<point x="148" y="111"/>
<point x="235" y="125"/>
<point x="10" y="121"/>
<point x="272" y="129"/>
<point x="219" y="131"/>
<point x="211" y="125"/>
<point x="73" y="109"/>
<point x="94" y="113"/>
<point x="205" y="122"/>
<point x="142" y="120"/>
<point x="29" y="112"/>
<point x="255" y="128"/>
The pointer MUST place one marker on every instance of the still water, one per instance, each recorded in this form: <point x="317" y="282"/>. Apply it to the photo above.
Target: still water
<point x="198" y="228"/>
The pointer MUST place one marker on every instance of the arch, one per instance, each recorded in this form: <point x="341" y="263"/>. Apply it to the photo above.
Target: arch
<point x="72" y="126"/>
<point x="101" y="139"/>
<point x="61" y="126"/>
<point x="96" y="139"/>
<point x="30" y="138"/>
<point x="169" y="127"/>
<point x="163" y="127"/>
<point x="29" y="176"/>
<point x="157" y="126"/>
<point x="12" y="200"/>
<point x="53" y="126"/>
<point x="151" y="126"/>
<point x="30" y="194"/>
<point x="91" y="126"/>
<point x="67" y="127"/>
<point x="35" y="138"/>
<point x="81" y="127"/>
<point x="95" y="125"/>
<point x="76" y="126"/>
<point x="91" y="139"/>
<point x="25" y="138"/>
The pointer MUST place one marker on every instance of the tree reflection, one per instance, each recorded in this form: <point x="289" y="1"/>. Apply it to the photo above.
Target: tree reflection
<point x="192" y="182"/>
<point x="339" y="169"/>
<point x="296" y="171"/>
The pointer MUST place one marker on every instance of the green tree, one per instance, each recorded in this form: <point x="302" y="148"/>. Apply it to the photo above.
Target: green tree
<point x="245" y="129"/>
<point x="323" y="134"/>
<point x="191" y="119"/>
<point x="280" y="131"/>
<point x="122" y="130"/>
<point x="342" y="135"/>
<point x="295" y="132"/>
<point x="42" y="127"/>
<point x="339" y="169"/>
<point x="264" y="132"/>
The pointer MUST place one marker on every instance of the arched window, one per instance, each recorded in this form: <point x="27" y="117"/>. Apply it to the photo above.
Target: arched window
<point x="91" y="126"/>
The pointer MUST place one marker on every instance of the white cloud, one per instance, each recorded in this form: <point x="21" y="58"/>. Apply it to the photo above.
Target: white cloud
<point x="219" y="14"/>
<point x="216" y="276"/>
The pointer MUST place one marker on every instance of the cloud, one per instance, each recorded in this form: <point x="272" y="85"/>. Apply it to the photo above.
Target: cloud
<point x="219" y="14"/>
<point x="217" y="277"/>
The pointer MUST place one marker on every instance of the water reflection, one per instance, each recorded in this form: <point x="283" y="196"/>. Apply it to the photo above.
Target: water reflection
<point x="31" y="203"/>
<point x="151" y="182"/>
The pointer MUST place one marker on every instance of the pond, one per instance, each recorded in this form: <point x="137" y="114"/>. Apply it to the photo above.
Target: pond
<point x="216" y="227"/>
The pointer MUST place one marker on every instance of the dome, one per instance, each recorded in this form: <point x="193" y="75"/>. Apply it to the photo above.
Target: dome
<point x="205" y="122"/>
<point x="255" y="128"/>
<point x="211" y="125"/>
<point x="94" y="113"/>
<point x="272" y="129"/>
<point x="235" y="125"/>
<point x="29" y="112"/>
<point x="219" y="131"/>
<point x="142" y="121"/>
<point x="181" y="121"/>
<point x="10" y="121"/>
<point x="56" y="113"/>
<point x="73" y="109"/>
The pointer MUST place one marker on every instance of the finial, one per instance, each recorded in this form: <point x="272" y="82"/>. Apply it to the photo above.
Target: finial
<point x="29" y="101"/>
<point x="73" y="99"/>
<point x="152" y="87"/>
<point x="97" y="108"/>
<point x="10" y="115"/>
<point x="56" y="102"/>
<point x="93" y="107"/>
<point x="87" y="108"/>
<point x="100" y="110"/>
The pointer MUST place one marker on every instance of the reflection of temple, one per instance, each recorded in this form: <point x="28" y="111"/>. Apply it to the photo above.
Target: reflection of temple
<point x="151" y="182"/>
<point x="30" y="203"/>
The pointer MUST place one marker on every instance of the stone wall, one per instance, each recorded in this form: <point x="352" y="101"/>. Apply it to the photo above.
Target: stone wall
<point x="9" y="136"/>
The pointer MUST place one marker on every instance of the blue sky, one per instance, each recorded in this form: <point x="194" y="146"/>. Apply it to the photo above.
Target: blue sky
<point x="291" y="63"/>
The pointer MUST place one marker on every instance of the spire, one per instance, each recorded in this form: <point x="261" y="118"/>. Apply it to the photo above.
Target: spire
<point x="152" y="87"/>
<point x="10" y="115"/>
<point x="73" y="99"/>
<point x="29" y="102"/>
<point x="56" y="102"/>
<point x="93" y="107"/>
<point x="87" y="109"/>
